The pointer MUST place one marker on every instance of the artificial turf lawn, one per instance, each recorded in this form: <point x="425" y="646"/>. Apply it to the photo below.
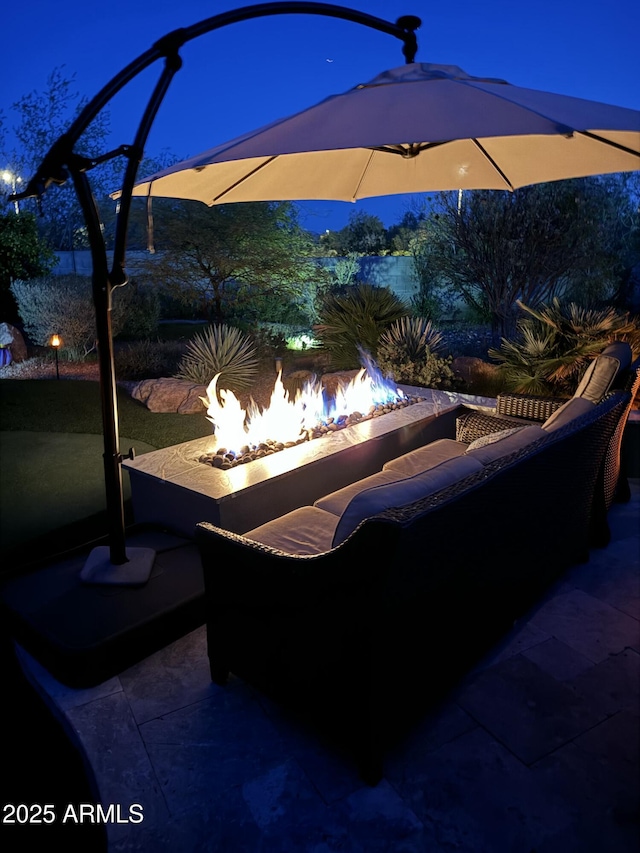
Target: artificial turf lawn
<point x="49" y="405"/>
<point x="51" y="454"/>
<point x="50" y="479"/>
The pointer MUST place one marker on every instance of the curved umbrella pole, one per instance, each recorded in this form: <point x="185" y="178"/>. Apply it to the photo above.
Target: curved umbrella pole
<point x="116" y="563"/>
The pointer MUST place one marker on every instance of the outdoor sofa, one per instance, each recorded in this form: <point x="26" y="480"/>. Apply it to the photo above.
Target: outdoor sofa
<point x="361" y="610"/>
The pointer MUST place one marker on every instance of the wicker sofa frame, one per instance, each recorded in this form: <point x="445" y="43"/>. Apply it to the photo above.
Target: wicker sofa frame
<point x="358" y="636"/>
<point x="515" y="409"/>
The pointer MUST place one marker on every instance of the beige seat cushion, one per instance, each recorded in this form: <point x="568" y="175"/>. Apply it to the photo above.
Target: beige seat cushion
<point x="426" y="457"/>
<point x="406" y="491"/>
<point x="307" y="530"/>
<point x="570" y="410"/>
<point x="495" y="445"/>
<point x="337" y="501"/>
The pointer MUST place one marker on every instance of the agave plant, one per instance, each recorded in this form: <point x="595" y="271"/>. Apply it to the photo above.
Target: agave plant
<point x="408" y="351"/>
<point x="220" y="349"/>
<point x="412" y="336"/>
<point x="556" y="342"/>
<point x="354" y="320"/>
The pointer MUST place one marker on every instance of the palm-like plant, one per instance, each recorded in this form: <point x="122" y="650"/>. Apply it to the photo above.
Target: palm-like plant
<point x="355" y="320"/>
<point x="556" y="342"/>
<point x="220" y="349"/>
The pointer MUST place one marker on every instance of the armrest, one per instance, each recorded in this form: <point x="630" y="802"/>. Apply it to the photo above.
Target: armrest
<point x="527" y="406"/>
<point x="510" y="410"/>
<point x="239" y="569"/>
<point x="473" y="424"/>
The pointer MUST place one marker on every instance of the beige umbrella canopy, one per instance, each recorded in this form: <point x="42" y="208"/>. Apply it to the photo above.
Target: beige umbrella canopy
<point x="417" y="128"/>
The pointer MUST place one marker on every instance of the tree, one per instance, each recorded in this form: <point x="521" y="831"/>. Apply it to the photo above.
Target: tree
<point x="43" y="116"/>
<point x="496" y="248"/>
<point x="346" y="269"/>
<point x="430" y="299"/>
<point x="23" y="255"/>
<point x="226" y="258"/>
<point x="402" y="235"/>
<point x="365" y="234"/>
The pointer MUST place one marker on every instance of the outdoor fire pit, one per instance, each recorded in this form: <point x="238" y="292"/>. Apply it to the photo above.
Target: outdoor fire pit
<point x="173" y="487"/>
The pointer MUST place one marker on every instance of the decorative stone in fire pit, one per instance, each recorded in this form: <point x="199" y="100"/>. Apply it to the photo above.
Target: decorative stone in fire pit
<point x="223" y="458"/>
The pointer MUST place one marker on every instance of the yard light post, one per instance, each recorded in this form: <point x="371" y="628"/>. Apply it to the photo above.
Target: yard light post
<point x="56" y="342"/>
<point x="12" y="180"/>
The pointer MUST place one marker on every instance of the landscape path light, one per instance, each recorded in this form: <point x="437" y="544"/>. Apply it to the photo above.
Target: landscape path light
<point x="55" y="341"/>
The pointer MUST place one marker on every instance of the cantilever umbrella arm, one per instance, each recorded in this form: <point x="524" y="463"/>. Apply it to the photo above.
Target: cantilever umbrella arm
<point x="61" y="162"/>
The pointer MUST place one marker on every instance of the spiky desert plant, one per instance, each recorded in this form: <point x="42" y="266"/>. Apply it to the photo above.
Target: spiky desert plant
<point x="220" y="349"/>
<point x="412" y="336"/>
<point x="355" y="320"/>
<point x="555" y="343"/>
<point x="407" y="350"/>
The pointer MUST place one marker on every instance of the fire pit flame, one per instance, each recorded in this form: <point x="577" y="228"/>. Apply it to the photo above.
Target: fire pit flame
<point x="290" y="420"/>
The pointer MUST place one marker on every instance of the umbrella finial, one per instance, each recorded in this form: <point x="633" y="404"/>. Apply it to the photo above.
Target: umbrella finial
<point x="409" y="23"/>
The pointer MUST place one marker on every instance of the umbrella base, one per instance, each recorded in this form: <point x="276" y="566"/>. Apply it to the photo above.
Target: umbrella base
<point x="85" y="633"/>
<point x="135" y="572"/>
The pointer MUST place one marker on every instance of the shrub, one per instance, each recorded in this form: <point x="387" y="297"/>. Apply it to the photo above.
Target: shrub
<point x="555" y="343"/>
<point x="220" y="349"/>
<point x="270" y="339"/>
<point x="355" y="320"/>
<point x="302" y="341"/>
<point x="63" y="304"/>
<point x="483" y="380"/>
<point x="408" y="351"/>
<point x="147" y="359"/>
<point x="141" y="310"/>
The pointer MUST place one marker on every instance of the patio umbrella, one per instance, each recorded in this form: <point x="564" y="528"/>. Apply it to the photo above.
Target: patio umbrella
<point x="417" y="128"/>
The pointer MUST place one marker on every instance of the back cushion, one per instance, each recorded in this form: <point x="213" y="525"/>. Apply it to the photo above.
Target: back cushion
<point x="425" y="457"/>
<point x="493" y="446"/>
<point x="601" y="374"/>
<point x="375" y="500"/>
<point x="336" y="502"/>
<point x="573" y="408"/>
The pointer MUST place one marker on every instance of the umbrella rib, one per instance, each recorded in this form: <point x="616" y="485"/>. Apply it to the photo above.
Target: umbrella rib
<point x="363" y="173"/>
<point x="560" y="126"/>
<point x="243" y="179"/>
<point x="490" y="159"/>
<point x="610" y="142"/>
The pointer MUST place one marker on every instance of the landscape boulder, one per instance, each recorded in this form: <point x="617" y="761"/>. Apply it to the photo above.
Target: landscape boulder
<point x="171" y="395"/>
